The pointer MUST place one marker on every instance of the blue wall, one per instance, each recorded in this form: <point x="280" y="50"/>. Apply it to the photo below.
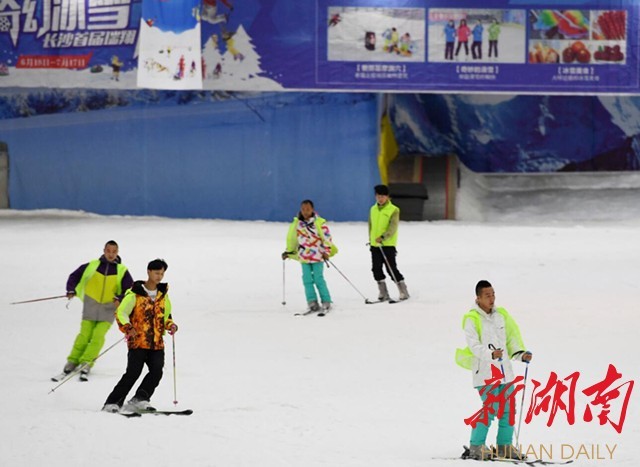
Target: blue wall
<point x="250" y="158"/>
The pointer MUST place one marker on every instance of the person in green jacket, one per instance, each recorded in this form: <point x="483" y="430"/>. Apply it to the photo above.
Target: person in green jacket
<point x="309" y="242"/>
<point x="384" y="218"/>
<point x="494" y="32"/>
<point x="100" y="284"/>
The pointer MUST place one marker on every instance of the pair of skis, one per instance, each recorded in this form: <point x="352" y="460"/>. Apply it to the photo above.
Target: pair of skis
<point x="320" y="312"/>
<point x="155" y="412"/>
<point x="532" y="462"/>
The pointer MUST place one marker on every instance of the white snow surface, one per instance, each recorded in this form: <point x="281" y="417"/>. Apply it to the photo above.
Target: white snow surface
<point x="367" y="385"/>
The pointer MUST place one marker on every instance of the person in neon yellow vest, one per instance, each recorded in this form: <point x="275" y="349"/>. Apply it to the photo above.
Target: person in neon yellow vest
<point x="100" y="284"/>
<point x="384" y="218"/>
<point x="491" y="334"/>
<point x="309" y="242"/>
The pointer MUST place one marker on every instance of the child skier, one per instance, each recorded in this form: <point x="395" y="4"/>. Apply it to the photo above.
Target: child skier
<point x="494" y="33"/>
<point x="476" y="46"/>
<point x="450" y="39"/>
<point x="143" y="316"/>
<point x="463" y="33"/>
<point x="491" y="334"/>
<point x="309" y="241"/>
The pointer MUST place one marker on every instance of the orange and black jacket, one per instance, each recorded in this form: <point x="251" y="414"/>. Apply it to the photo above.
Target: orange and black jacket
<point x="150" y="318"/>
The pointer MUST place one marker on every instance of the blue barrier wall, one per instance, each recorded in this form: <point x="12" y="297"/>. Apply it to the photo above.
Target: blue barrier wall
<point x="250" y="158"/>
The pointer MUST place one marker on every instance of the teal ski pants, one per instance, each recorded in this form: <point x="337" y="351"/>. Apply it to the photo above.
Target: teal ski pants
<point x="313" y="278"/>
<point x="505" y="430"/>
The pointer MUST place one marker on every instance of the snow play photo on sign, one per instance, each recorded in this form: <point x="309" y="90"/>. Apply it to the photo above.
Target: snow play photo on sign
<point x="477" y="35"/>
<point x="169" y="46"/>
<point x="368" y="34"/>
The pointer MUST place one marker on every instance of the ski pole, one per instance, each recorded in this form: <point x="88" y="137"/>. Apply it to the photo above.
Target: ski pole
<point x="38" y="300"/>
<point x="284" y="302"/>
<point x="173" y="348"/>
<point x="79" y="368"/>
<point x="393" y="276"/>
<point x="493" y="347"/>
<point x="366" y="300"/>
<point x="526" y="373"/>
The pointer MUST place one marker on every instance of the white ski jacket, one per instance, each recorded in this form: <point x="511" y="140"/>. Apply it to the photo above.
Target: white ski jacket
<point x="493" y="333"/>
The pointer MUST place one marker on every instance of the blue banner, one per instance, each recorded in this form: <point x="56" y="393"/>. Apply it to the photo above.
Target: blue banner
<point x="514" y="46"/>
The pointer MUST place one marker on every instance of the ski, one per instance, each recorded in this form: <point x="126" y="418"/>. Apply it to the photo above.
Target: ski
<point x="166" y="412"/>
<point x="375" y="302"/>
<point x="533" y="462"/>
<point x="323" y="312"/>
<point x="59" y="377"/>
<point x="130" y="414"/>
<point x="306" y="313"/>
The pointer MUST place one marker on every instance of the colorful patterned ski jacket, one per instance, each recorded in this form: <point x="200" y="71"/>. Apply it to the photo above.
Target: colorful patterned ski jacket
<point x="308" y="240"/>
<point x="150" y="318"/>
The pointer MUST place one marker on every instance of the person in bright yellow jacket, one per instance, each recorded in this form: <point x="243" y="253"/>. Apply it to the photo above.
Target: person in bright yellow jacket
<point x="384" y="218"/>
<point x="100" y="284"/>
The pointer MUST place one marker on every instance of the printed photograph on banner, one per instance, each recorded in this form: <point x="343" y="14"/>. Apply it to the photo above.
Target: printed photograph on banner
<point x="609" y="36"/>
<point x="477" y="35"/>
<point x="230" y="60"/>
<point x="578" y="37"/>
<point x="170" y="55"/>
<point x="375" y="34"/>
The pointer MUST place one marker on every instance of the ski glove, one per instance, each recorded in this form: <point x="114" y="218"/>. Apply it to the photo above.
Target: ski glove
<point x="173" y="329"/>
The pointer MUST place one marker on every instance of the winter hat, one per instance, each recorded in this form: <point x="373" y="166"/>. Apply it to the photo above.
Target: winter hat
<point x="381" y="190"/>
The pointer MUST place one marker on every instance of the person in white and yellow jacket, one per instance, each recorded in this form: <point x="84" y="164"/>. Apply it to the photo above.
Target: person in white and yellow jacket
<point x="493" y="338"/>
<point x="309" y="242"/>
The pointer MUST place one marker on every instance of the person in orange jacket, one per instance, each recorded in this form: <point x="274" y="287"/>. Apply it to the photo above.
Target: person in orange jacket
<point x="143" y="316"/>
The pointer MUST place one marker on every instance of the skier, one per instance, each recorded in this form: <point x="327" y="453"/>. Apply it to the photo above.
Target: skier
<point x="180" y="73"/>
<point x="335" y="19"/>
<point x="404" y="47"/>
<point x="476" y="46"/>
<point x="393" y="46"/>
<point x="210" y="11"/>
<point x="450" y="38"/>
<point x="230" y="43"/>
<point x="116" y="64"/>
<point x="143" y="316"/>
<point x="100" y="285"/>
<point x="494" y="33"/>
<point x="309" y="242"/>
<point x="384" y="218"/>
<point x="491" y="334"/>
<point x="463" y="32"/>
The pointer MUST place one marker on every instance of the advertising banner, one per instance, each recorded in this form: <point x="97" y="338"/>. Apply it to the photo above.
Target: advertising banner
<point x="514" y="46"/>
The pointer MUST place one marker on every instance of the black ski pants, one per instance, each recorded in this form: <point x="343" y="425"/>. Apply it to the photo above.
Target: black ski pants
<point x="136" y="359"/>
<point x="377" y="260"/>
